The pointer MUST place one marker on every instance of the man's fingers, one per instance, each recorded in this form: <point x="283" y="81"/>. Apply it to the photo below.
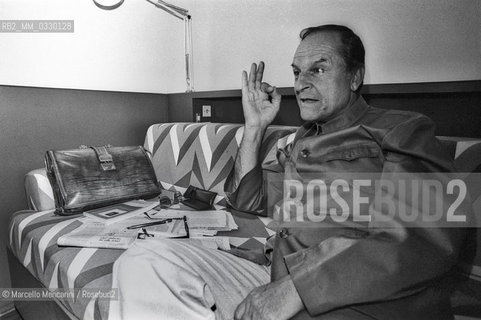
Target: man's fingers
<point x="272" y="91"/>
<point x="244" y="83"/>
<point x="259" y="74"/>
<point x="265" y="87"/>
<point x="276" y="96"/>
<point x="252" y="77"/>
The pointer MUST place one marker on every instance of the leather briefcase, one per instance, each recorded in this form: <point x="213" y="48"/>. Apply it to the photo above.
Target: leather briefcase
<point x="92" y="177"/>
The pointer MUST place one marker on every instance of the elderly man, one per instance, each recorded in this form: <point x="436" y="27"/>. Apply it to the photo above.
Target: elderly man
<point x="382" y="272"/>
<point x="350" y="270"/>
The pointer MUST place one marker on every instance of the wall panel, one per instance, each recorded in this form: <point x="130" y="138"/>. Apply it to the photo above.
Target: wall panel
<point x="33" y="120"/>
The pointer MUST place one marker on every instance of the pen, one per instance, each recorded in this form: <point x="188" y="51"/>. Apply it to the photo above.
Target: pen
<point x="148" y="224"/>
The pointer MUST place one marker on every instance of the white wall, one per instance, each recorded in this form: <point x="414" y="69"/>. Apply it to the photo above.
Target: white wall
<point x="136" y="47"/>
<point x="406" y="40"/>
<point x="140" y="48"/>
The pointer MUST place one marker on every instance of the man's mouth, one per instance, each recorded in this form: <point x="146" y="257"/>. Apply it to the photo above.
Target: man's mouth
<point x="308" y="100"/>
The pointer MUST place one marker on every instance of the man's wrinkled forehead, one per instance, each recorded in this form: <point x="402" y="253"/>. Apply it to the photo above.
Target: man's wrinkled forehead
<point x="319" y="43"/>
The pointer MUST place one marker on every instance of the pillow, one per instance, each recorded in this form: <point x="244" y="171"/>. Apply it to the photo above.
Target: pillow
<point x="39" y="191"/>
<point x="466" y="299"/>
<point x="200" y="154"/>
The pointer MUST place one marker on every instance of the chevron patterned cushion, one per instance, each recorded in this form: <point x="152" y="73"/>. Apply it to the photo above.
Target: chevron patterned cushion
<point x="39" y="191"/>
<point x="200" y="154"/>
<point x="467" y="297"/>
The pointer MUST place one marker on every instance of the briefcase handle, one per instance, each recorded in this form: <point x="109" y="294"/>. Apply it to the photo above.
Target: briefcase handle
<point x="104" y="157"/>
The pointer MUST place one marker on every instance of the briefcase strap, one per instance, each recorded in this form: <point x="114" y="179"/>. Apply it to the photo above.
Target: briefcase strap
<point x="105" y="158"/>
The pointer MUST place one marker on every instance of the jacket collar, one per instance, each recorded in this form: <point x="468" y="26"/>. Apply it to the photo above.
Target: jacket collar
<point x="342" y="121"/>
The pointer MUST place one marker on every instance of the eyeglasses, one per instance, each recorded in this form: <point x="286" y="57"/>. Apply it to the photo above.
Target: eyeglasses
<point x="144" y="234"/>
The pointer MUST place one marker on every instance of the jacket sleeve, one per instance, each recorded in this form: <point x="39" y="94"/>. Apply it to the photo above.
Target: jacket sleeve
<point x="392" y="260"/>
<point x="251" y="194"/>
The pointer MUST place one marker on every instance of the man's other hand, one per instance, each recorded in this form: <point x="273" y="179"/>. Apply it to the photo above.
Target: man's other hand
<point x="276" y="300"/>
<point x="260" y="101"/>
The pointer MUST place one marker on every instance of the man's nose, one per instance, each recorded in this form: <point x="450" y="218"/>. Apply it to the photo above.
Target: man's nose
<point x="302" y="83"/>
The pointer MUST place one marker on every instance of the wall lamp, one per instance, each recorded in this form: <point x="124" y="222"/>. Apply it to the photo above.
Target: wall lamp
<point x="177" y="12"/>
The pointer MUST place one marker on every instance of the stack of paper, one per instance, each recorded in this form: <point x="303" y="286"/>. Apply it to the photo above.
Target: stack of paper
<point x="121" y="211"/>
<point x="93" y="234"/>
<point x="201" y="221"/>
<point x="203" y="225"/>
<point x="100" y="230"/>
<point x="117" y="235"/>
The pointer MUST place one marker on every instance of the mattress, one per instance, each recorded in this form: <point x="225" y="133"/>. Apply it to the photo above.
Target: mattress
<point x="33" y="241"/>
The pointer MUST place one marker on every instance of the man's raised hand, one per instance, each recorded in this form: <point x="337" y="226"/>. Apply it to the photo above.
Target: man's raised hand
<point x="260" y="101"/>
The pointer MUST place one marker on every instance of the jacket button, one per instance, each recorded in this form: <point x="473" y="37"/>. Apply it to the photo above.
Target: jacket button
<point x="283" y="233"/>
<point x="305" y="153"/>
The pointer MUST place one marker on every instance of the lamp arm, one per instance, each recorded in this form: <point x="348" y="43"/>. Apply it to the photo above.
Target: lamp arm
<point x="179" y="15"/>
<point x="182" y="14"/>
<point x="173" y="7"/>
<point x="189" y="56"/>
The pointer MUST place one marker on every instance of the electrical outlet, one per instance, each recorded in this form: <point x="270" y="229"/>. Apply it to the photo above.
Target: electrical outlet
<point x="206" y="111"/>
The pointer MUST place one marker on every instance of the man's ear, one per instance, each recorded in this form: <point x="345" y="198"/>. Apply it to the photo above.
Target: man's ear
<point x="357" y="78"/>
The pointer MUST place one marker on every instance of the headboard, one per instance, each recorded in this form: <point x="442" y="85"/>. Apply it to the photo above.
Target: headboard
<point x="455" y="106"/>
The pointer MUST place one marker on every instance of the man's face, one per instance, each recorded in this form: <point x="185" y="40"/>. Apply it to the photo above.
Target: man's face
<point x="322" y="83"/>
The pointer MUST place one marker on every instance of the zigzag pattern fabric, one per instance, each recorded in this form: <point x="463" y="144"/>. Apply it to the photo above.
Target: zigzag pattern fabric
<point x="199" y="154"/>
<point x="467" y="298"/>
<point x="33" y="240"/>
<point x="33" y="234"/>
<point x="186" y="154"/>
<point x="39" y="191"/>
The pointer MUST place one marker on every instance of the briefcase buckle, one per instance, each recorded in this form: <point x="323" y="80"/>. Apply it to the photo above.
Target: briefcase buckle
<point x="105" y="158"/>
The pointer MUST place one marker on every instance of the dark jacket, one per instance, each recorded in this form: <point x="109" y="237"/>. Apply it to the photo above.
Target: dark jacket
<point x="392" y="269"/>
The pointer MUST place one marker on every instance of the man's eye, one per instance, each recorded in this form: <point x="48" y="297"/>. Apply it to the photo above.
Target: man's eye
<point x="296" y="73"/>
<point x="318" y="71"/>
